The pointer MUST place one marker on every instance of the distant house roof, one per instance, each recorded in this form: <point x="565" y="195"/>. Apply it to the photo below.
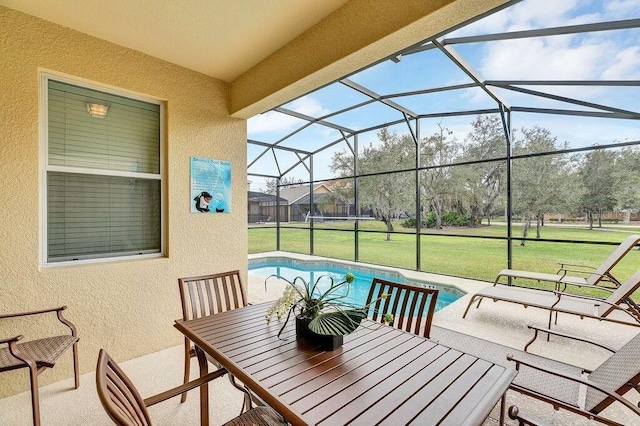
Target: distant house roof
<point x="293" y="193"/>
<point x="261" y="197"/>
<point x="316" y="198"/>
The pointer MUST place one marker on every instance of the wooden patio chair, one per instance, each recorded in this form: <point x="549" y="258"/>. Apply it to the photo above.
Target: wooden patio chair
<point x="208" y="295"/>
<point x="588" y="275"/>
<point x="560" y="384"/>
<point x="123" y="403"/>
<point x="412" y="307"/>
<point x="38" y="354"/>
<point x="559" y="302"/>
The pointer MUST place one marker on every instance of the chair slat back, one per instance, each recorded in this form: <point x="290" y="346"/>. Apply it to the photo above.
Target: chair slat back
<point x="619" y="374"/>
<point x="621" y="294"/>
<point x="412" y="307"/>
<point x="605" y="267"/>
<point x="118" y="395"/>
<point x="210" y="294"/>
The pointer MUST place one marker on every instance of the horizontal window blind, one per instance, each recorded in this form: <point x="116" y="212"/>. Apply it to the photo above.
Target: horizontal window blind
<point x="125" y="140"/>
<point x="101" y="213"/>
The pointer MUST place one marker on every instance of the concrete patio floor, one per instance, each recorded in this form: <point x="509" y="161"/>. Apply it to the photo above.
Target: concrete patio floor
<point x="499" y="322"/>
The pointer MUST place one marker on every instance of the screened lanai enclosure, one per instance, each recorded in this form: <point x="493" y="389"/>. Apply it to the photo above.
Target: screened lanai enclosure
<point x="509" y="141"/>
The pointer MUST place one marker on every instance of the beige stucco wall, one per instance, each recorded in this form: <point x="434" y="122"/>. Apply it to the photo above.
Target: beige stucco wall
<point x="127" y="307"/>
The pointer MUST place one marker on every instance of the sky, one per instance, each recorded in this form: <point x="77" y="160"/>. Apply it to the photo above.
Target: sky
<point x="603" y="55"/>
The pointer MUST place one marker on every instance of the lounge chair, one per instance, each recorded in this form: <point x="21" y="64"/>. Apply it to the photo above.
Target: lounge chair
<point x="560" y="384"/>
<point x="123" y="403"/>
<point x="412" y="307"/>
<point x="594" y="276"/>
<point x="556" y="301"/>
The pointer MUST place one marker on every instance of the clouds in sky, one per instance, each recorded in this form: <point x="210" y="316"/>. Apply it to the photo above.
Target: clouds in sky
<point x="625" y="66"/>
<point x="273" y="121"/>
<point x="571" y="57"/>
<point x="604" y="55"/>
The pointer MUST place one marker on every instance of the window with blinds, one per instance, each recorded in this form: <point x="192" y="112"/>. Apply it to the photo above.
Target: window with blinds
<point x="103" y="175"/>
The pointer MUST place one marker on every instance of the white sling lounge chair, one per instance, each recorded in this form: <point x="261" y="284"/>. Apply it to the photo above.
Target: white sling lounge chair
<point x="593" y="275"/>
<point x="556" y="301"/>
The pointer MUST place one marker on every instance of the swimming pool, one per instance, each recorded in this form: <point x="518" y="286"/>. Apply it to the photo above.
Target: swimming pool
<point x="359" y="290"/>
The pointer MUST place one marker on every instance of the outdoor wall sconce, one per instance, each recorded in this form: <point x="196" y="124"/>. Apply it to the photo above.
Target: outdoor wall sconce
<point x="97" y="110"/>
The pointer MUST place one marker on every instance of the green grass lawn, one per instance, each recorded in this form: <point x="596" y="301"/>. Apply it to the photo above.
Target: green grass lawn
<point x="471" y="257"/>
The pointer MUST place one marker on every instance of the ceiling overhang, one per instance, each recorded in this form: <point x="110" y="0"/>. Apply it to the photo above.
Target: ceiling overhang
<point x="358" y="34"/>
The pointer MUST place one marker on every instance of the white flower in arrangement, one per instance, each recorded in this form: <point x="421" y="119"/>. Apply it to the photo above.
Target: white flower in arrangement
<point x="283" y="304"/>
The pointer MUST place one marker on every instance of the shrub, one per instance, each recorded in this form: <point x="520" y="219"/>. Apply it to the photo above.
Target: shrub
<point x="448" y="219"/>
<point x="410" y="222"/>
<point x="455" y="219"/>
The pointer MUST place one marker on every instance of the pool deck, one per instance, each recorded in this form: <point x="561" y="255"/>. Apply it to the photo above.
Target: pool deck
<point x="500" y="322"/>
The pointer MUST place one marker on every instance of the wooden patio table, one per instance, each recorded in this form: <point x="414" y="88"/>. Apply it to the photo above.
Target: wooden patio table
<point x="381" y="375"/>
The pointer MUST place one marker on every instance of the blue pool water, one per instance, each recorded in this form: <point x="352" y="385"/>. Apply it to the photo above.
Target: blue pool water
<point x="358" y="290"/>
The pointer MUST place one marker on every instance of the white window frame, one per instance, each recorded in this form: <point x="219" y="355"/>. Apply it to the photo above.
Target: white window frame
<point x="44" y="78"/>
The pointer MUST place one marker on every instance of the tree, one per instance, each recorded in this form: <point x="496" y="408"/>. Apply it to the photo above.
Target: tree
<point x="486" y="141"/>
<point x="628" y="191"/>
<point x="435" y="183"/>
<point x="600" y="179"/>
<point x="272" y="184"/>
<point x="467" y="193"/>
<point x="387" y="195"/>
<point x="537" y="182"/>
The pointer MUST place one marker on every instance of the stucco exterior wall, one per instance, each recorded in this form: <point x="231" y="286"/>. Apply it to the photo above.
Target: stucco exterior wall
<point x="127" y="307"/>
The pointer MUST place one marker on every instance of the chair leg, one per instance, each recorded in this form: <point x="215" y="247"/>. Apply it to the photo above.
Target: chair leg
<point x="187" y="367"/>
<point x="204" y="389"/>
<point x="35" y="399"/>
<point x="76" y="370"/>
<point x="473" y="299"/>
<point x="503" y="403"/>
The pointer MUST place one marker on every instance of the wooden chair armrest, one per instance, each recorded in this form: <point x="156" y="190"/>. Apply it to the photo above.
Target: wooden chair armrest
<point x="42" y="311"/>
<point x="179" y="390"/>
<point x="561" y="334"/>
<point x="58" y="312"/>
<point x="524" y="419"/>
<point x="578" y="379"/>
<point x="66" y="322"/>
<point x="12" y="339"/>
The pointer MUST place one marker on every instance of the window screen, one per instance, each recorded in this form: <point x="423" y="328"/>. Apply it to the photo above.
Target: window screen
<point x="103" y="175"/>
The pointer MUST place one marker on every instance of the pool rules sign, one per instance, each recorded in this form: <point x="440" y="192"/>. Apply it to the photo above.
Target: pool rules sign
<point x="210" y="185"/>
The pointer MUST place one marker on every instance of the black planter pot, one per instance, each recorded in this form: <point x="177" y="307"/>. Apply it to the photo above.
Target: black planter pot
<point x="326" y="342"/>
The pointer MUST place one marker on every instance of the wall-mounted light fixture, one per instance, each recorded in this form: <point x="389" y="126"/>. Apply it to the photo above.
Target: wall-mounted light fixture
<point x="97" y="110"/>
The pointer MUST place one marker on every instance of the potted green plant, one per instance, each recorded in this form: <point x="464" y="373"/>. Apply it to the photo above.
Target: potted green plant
<point x="321" y="315"/>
